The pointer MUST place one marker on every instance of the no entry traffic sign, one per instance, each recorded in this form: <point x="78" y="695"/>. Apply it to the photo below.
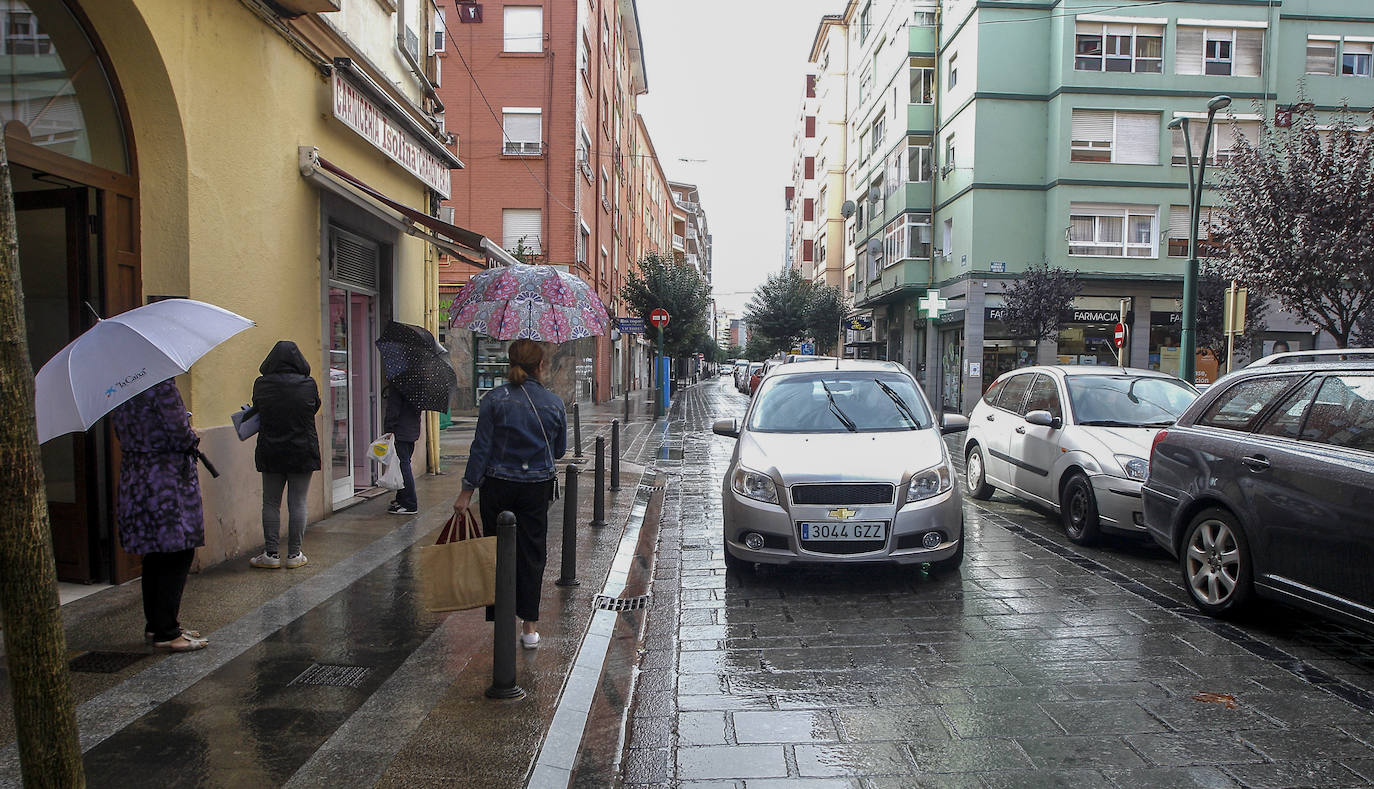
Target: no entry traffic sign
<point x="1120" y="335"/>
<point x="659" y="317"/>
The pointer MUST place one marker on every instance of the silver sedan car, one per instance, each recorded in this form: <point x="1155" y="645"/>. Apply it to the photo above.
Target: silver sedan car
<point x="841" y="462"/>
<point x="1075" y="439"/>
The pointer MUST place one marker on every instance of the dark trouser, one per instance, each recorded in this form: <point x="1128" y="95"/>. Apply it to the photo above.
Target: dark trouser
<point x="529" y="501"/>
<point x="164" y="576"/>
<point x="297" y="490"/>
<point x="406" y="495"/>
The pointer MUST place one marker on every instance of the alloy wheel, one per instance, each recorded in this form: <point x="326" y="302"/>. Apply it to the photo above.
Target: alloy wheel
<point x="973" y="470"/>
<point x="1213" y="562"/>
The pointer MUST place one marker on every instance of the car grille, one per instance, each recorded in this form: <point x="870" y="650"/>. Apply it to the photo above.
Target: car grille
<point x="866" y="493"/>
<point x="842" y="548"/>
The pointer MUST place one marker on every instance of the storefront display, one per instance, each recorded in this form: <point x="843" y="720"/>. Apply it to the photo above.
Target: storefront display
<point x="490" y="365"/>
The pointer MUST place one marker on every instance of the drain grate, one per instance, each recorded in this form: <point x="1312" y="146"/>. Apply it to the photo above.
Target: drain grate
<point x="104" y="662"/>
<point x="334" y="676"/>
<point x="608" y="603"/>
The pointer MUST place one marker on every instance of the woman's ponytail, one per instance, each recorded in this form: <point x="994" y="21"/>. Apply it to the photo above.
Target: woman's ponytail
<point x="525" y="358"/>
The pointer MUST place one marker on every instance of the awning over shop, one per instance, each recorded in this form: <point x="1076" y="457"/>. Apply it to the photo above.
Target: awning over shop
<point x="457" y="241"/>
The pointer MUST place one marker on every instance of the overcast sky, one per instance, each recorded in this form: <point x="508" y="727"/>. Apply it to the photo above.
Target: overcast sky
<point x="725" y="85"/>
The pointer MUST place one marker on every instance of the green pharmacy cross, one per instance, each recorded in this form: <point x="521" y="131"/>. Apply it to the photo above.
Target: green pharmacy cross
<point x="931" y="304"/>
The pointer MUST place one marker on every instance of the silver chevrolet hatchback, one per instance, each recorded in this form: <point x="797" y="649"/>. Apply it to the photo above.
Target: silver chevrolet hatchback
<point x="841" y="462"/>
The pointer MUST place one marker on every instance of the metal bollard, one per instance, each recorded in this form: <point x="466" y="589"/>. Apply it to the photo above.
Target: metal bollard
<point x="568" y="577"/>
<point x="615" y="454"/>
<point x="503" y="646"/>
<point x="627" y="405"/>
<point x="599" y="495"/>
<point x="577" y="430"/>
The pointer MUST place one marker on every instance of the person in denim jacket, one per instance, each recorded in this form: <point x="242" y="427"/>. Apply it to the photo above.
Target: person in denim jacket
<point x="521" y="431"/>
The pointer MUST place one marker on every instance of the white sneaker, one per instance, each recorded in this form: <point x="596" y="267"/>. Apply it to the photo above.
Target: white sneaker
<point x="529" y="640"/>
<point x="267" y="561"/>
<point x="295" y="560"/>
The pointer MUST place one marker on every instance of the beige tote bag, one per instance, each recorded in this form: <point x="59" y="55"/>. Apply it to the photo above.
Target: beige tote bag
<point x="459" y="571"/>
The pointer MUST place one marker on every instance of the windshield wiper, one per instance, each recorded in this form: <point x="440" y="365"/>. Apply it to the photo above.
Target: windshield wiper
<point x="835" y="409"/>
<point x="1112" y="423"/>
<point x="901" y="404"/>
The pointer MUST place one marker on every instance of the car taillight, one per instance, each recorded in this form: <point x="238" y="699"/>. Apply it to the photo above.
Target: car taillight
<point x="1154" y="445"/>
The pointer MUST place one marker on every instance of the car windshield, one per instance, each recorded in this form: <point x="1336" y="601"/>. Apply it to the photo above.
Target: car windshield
<point x="839" y="401"/>
<point x="1127" y="400"/>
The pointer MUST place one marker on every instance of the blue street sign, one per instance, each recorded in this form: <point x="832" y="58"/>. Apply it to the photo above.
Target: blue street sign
<point x="999" y="267"/>
<point x="808" y="349"/>
<point x="630" y="325"/>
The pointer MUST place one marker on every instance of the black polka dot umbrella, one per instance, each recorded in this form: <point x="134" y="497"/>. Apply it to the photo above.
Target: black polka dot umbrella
<point x="417" y="366"/>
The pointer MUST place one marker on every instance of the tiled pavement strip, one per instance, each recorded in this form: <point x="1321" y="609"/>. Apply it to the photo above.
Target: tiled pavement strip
<point x="1040" y="664"/>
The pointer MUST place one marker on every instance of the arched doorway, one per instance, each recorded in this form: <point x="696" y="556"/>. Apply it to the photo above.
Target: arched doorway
<point x="76" y="202"/>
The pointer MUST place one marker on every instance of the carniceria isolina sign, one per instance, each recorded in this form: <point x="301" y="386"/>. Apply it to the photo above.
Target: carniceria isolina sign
<point x="358" y="113"/>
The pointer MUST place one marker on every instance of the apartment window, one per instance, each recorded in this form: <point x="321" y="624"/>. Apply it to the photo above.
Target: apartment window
<point x="863" y="146"/>
<point x="875" y="197"/>
<point x="820" y="206"/>
<point x="605" y="258"/>
<point x="877" y="130"/>
<point x="1116" y="137"/>
<point x="521" y="226"/>
<point x="809" y="167"/>
<point x="922" y="85"/>
<point x="584" y="57"/>
<point x="524" y="28"/>
<point x="811" y="126"/>
<point x="584" y="237"/>
<point x="522" y="128"/>
<point x="865" y="20"/>
<point x="584" y="151"/>
<point x="865" y="83"/>
<point x="1119" y="48"/>
<point x="947" y="238"/>
<point x="809" y="210"/>
<point x="918" y="163"/>
<point x="1219" y="51"/>
<point x="853" y="284"/>
<point x="820" y="251"/>
<point x="925" y="19"/>
<point x="605" y="35"/>
<point x="808" y="250"/>
<point x="1321" y="55"/>
<point x="1355" y="59"/>
<point x="605" y="189"/>
<point x="1178" y="232"/>
<point x="1117" y="231"/>
<point x="953" y="68"/>
<point x="1223" y="138"/>
<point x="811" y="85"/>
<point x="907" y="237"/>
<point x="949" y="153"/>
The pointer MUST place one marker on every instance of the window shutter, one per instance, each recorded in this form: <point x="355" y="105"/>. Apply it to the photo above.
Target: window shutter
<point x="524" y="29"/>
<point x="808" y="210"/>
<point x="1249" y="52"/>
<point x="807" y="247"/>
<point x="522" y="127"/>
<point x="1137" y="138"/>
<point x="810" y="167"/>
<point x="1189" y="51"/>
<point x="811" y="126"/>
<point x="1094" y="125"/>
<point x="1178" y="221"/>
<point x="521" y="223"/>
<point x="1321" y="57"/>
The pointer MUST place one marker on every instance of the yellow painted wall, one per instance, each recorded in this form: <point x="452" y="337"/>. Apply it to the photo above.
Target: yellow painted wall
<point x="219" y="104"/>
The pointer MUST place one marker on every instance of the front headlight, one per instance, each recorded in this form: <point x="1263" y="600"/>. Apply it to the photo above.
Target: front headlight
<point x="1136" y="468"/>
<point x="931" y="482"/>
<point x="753" y="485"/>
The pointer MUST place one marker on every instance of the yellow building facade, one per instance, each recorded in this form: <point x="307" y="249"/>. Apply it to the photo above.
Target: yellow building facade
<point x="278" y="161"/>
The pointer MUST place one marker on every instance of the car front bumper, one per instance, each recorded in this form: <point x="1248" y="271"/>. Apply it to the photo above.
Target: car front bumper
<point x="778" y="524"/>
<point x="1119" y="505"/>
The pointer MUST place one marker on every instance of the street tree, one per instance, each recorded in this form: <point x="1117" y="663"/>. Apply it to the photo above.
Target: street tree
<point x="35" y="644"/>
<point x="823" y="317"/>
<point x="777" y="313"/>
<point x="1036" y="301"/>
<point x="734" y="352"/>
<point x="1297" y="219"/>
<point x="657" y="281"/>
<point x="1211" y="314"/>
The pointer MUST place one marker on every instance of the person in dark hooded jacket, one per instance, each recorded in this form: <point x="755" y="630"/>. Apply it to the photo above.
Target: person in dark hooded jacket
<point x="288" y="452"/>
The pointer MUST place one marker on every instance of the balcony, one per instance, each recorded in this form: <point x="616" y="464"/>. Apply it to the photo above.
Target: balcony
<point x="920" y="118"/>
<point x="678" y="245"/>
<point x="921" y="40"/>
<point x="895" y="283"/>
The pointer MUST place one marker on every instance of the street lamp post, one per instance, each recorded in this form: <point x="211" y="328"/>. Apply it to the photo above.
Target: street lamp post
<point x="1188" y="340"/>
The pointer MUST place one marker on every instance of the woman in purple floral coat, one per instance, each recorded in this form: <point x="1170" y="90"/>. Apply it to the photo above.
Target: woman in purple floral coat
<point x="159" y="509"/>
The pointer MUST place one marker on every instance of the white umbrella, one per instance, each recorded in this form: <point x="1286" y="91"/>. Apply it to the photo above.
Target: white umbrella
<point x="122" y="356"/>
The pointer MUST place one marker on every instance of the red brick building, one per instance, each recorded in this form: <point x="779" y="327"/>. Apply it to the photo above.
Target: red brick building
<point x="542" y="95"/>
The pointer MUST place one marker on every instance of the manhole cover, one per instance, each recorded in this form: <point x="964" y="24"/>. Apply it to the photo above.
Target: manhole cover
<point x="335" y="676"/>
<point x="607" y="603"/>
<point x="104" y="662"/>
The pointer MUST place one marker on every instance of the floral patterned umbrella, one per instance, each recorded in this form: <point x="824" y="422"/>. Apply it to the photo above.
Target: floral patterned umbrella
<point x="529" y="302"/>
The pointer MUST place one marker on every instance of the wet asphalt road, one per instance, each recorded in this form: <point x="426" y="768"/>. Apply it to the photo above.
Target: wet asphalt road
<point x="1040" y="664"/>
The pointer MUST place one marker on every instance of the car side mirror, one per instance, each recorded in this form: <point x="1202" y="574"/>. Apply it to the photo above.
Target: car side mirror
<point x="953" y="423"/>
<point x="726" y="427"/>
<point x="1044" y="419"/>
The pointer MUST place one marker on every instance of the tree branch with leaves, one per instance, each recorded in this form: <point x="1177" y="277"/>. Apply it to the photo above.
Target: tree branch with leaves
<point x="1035" y="301"/>
<point x="657" y="282"/>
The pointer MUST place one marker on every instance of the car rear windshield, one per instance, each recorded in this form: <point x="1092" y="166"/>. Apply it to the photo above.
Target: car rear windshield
<point x="1128" y="400"/>
<point x="839" y="401"/>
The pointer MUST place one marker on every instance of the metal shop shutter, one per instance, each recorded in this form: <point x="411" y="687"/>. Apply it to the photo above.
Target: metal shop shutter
<point x="353" y="260"/>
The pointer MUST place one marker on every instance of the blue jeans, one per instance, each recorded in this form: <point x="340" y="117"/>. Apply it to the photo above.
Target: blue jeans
<point x="297" y="490"/>
<point x="406" y="495"/>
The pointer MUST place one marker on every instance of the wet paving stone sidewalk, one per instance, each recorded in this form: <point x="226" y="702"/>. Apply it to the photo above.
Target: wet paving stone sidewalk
<point x="1039" y="664"/>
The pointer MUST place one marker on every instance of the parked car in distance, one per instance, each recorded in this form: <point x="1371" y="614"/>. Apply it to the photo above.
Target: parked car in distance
<point x="1265" y="488"/>
<point x="1072" y="438"/>
<point x="746" y="380"/>
<point x="741" y="367"/>
<point x="801" y="357"/>
<point x="841" y="465"/>
<point x="760" y="374"/>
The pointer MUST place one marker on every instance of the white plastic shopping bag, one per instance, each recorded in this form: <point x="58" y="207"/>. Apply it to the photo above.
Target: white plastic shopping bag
<point x="383" y="451"/>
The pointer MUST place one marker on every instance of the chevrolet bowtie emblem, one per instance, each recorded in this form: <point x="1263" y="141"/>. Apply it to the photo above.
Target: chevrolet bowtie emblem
<point x="842" y="514"/>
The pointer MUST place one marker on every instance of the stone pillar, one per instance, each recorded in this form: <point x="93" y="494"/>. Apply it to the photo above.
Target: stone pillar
<point x="973" y="344"/>
<point x="1140" y="333"/>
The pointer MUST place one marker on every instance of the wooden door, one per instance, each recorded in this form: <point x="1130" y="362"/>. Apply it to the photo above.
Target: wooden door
<point x="119" y="250"/>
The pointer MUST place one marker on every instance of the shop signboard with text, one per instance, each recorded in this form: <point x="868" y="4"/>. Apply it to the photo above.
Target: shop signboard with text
<point x="363" y="116"/>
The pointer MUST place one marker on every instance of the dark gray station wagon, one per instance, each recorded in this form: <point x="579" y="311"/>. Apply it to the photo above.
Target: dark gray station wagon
<point x="1265" y="486"/>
